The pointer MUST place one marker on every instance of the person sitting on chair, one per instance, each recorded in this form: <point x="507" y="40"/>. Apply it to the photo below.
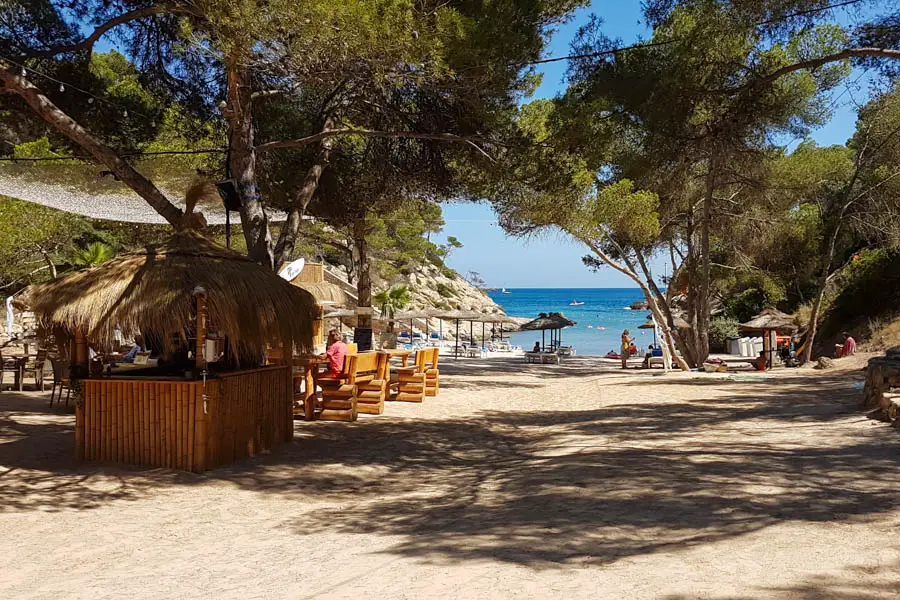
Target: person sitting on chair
<point x="138" y="343"/>
<point x="848" y="348"/>
<point x="336" y="353"/>
<point x="537" y="347"/>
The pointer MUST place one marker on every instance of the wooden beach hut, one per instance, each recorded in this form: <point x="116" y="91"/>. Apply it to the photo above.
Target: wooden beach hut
<point x="209" y="313"/>
<point x="769" y="323"/>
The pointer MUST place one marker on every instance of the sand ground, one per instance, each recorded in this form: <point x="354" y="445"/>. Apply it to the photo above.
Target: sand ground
<point x="539" y="481"/>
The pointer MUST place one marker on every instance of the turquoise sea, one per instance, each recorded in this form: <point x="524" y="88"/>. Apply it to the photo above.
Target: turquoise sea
<point x="603" y="307"/>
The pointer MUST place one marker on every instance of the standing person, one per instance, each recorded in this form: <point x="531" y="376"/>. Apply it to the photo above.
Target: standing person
<point x="336" y="353"/>
<point x="625" y="350"/>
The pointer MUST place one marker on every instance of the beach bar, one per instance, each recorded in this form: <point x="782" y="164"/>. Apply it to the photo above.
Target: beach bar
<point x="209" y="314"/>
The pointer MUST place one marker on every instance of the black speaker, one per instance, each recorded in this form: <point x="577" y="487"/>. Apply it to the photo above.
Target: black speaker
<point x="362" y="337"/>
<point x="231" y="198"/>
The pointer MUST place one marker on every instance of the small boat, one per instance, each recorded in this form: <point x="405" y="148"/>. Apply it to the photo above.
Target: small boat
<point x="627" y="307"/>
<point x="504" y="291"/>
<point x="590" y="326"/>
<point x="576" y="303"/>
<point x="601" y="328"/>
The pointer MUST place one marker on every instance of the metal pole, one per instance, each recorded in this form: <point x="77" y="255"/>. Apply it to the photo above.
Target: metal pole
<point x="456" y="343"/>
<point x="227" y="228"/>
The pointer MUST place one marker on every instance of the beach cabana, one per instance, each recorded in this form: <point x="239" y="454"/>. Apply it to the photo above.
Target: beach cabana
<point x="769" y="323"/>
<point x="411" y="316"/>
<point x="209" y="313"/>
<point x="553" y="322"/>
<point x="495" y="319"/>
<point x="329" y="297"/>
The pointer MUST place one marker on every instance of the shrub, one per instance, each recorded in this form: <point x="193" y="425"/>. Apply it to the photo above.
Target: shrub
<point x="720" y="329"/>
<point x="445" y="290"/>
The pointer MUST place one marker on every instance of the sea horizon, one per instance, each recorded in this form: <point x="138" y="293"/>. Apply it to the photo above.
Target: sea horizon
<point x="606" y="312"/>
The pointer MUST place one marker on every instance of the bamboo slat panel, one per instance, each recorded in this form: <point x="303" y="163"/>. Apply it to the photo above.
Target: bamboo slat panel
<point x="187" y="425"/>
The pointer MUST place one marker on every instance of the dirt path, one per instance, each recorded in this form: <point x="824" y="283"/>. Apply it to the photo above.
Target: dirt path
<point x="517" y="481"/>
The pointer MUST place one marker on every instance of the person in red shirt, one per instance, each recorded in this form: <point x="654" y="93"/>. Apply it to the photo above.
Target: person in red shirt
<point x="336" y="353"/>
<point x="848" y="348"/>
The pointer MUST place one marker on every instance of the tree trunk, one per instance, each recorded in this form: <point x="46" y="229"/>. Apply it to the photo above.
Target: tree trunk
<point x="363" y="274"/>
<point x="242" y="165"/>
<point x="692" y="295"/>
<point x="651" y="302"/>
<point x="287" y="239"/>
<point x="49" y="112"/>
<point x="806" y="355"/>
<point x="703" y="307"/>
<point x="667" y="314"/>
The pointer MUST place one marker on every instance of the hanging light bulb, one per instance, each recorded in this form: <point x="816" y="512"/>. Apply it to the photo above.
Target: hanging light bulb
<point x="125" y="114"/>
<point x="62" y="87"/>
<point x="24" y="72"/>
<point x="90" y="100"/>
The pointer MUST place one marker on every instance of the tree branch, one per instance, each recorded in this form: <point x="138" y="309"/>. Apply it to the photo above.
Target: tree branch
<point x="818" y="62"/>
<point x="101" y="30"/>
<point x="318" y="137"/>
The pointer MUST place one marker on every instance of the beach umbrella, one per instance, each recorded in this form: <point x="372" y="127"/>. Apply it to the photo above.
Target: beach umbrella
<point x="412" y="315"/>
<point x="650" y="324"/>
<point x="457" y="315"/>
<point x="340" y="314"/>
<point x="554" y="322"/>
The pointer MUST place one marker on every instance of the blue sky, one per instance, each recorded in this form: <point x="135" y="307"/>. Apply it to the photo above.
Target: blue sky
<point x="555" y="260"/>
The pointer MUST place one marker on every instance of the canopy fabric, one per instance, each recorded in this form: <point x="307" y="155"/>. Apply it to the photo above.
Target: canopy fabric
<point x="154" y="289"/>
<point x="554" y="320"/>
<point x="770" y="318"/>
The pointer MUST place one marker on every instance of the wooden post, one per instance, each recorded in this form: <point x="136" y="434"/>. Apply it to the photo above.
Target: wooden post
<point x="201" y="329"/>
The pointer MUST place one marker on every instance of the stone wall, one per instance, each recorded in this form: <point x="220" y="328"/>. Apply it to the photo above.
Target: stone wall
<point x="881" y="394"/>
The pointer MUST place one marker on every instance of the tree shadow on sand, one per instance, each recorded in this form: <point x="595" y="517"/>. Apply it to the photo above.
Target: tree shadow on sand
<point x="546" y="488"/>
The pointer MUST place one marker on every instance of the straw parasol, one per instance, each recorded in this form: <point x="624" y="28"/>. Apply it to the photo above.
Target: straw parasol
<point x="649" y="324"/>
<point x="456" y="315"/>
<point x="326" y="294"/>
<point x="413" y="315"/>
<point x="771" y="319"/>
<point x="554" y="321"/>
<point x="154" y="289"/>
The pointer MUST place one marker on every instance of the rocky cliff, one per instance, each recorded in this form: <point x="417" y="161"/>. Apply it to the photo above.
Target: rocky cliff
<point x="432" y="287"/>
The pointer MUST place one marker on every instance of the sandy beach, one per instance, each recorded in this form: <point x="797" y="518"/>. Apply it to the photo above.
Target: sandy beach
<point x="526" y="481"/>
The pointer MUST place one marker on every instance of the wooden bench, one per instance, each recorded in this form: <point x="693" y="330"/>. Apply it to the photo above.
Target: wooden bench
<point x="411" y="381"/>
<point x="432" y="375"/>
<point x="371" y="380"/>
<point x="339" y="395"/>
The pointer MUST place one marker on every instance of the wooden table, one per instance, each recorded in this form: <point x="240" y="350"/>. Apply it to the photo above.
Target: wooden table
<point x="402" y="354"/>
<point x="18" y="362"/>
<point x="307" y="367"/>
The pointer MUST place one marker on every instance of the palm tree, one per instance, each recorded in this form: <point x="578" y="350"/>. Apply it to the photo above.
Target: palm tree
<point x="392" y="301"/>
<point x="96" y="253"/>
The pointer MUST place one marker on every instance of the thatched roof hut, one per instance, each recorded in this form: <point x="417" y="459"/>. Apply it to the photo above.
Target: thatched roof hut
<point x="770" y="319"/>
<point x="154" y="289"/>
<point x="554" y="320"/>
<point x="326" y="294"/>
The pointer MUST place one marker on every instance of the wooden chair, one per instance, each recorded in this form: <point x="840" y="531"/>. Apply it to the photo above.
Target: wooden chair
<point x="411" y="380"/>
<point x="371" y="380"/>
<point x="339" y="396"/>
<point x="431" y="371"/>
<point x="36" y="369"/>
<point x="60" y="379"/>
<point x="10" y="364"/>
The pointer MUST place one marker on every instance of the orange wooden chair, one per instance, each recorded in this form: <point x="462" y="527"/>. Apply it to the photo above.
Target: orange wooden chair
<point x="339" y="396"/>
<point x="431" y="372"/>
<point x="411" y="380"/>
<point x="371" y="380"/>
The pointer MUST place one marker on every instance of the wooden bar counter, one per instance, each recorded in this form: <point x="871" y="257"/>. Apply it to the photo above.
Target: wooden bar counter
<point x="192" y="425"/>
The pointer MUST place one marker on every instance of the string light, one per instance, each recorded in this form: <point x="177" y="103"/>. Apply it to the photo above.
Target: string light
<point x="125" y="114"/>
<point x="62" y="87"/>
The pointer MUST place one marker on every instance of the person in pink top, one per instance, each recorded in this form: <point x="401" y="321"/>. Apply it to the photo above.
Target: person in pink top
<point x="336" y="353"/>
<point x="848" y="348"/>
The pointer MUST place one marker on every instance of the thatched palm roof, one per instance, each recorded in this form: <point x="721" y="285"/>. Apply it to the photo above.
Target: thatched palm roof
<point x="325" y="293"/>
<point x="154" y="290"/>
<point x="770" y="318"/>
<point x="554" y="320"/>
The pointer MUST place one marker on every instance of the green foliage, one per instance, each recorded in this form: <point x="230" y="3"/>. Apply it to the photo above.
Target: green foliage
<point x="96" y="253"/>
<point x="869" y="288"/>
<point x="720" y="329"/>
<point x="393" y="300"/>
<point x="445" y="291"/>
